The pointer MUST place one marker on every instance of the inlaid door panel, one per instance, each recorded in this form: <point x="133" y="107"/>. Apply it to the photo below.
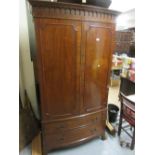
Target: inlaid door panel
<point x="59" y="65"/>
<point x="97" y="62"/>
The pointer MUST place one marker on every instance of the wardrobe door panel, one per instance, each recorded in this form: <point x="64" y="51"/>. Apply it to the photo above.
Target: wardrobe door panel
<point x="97" y="62"/>
<point x="59" y="63"/>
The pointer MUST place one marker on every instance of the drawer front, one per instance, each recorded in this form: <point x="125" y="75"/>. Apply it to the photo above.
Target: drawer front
<point x="74" y="123"/>
<point x="74" y="136"/>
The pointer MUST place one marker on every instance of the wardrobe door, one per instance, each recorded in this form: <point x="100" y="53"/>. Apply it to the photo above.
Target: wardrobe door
<point x="97" y="47"/>
<point x="59" y="65"/>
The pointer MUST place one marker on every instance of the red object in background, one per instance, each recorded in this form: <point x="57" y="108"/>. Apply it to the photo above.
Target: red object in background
<point x="117" y="62"/>
<point x="132" y="75"/>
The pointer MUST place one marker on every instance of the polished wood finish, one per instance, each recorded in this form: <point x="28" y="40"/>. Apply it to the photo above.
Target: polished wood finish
<point x="74" y="136"/>
<point x="59" y="67"/>
<point x="74" y="49"/>
<point x="96" y="65"/>
<point x="75" y="122"/>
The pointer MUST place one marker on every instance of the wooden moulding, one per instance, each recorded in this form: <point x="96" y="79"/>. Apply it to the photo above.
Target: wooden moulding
<point x="48" y="9"/>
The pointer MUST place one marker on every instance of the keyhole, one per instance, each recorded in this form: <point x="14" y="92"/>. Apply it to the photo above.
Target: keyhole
<point x="98" y="65"/>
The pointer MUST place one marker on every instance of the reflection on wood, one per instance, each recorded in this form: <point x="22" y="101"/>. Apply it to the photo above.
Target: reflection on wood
<point x="36" y="145"/>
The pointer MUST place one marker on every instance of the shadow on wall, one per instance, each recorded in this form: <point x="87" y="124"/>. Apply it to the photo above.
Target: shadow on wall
<point x="26" y="70"/>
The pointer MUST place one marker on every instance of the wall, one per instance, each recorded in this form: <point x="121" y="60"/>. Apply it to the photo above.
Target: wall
<point x="122" y="5"/>
<point x="26" y="81"/>
<point x="126" y="20"/>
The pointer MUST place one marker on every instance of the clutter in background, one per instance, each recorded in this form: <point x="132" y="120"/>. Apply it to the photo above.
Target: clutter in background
<point x="122" y="66"/>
